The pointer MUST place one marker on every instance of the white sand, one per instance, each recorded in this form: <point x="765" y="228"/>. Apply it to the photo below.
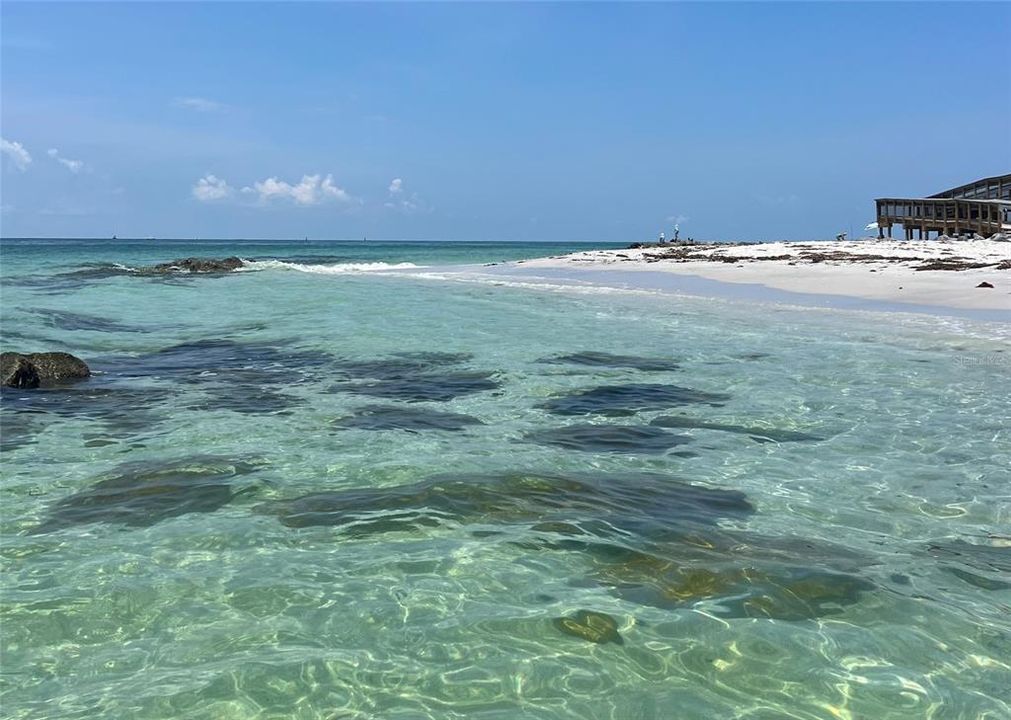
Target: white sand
<point x="839" y="273"/>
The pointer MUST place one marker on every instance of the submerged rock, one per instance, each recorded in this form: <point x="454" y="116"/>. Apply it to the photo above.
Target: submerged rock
<point x="124" y="411"/>
<point x="602" y="359"/>
<point x="609" y="438"/>
<point x="637" y="502"/>
<point x="623" y="400"/>
<point x="62" y="282"/>
<point x="430" y="387"/>
<point x="17" y="430"/>
<point x="992" y="555"/>
<point x="436" y="357"/>
<point x="589" y="625"/>
<point x="757" y="433"/>
<point x="729" y="586"/>
<point x="34" y="369"/>
<point x="411" y="419"/>
<point x="980" y="581"/>
<point x="243" y="377"/>
<point x="246" y="400"/>
<point x="79" y="321"/>
<point x="217" y="361"/>
<point x="70" y="280"/>
<point x="730" y="574"/>
<point x="144" y="493"/>
<point x="414" y="377"/>
<point x="401" y="365"/>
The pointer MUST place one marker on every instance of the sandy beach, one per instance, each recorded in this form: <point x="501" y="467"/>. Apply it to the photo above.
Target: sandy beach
<point x="945" y="273"/>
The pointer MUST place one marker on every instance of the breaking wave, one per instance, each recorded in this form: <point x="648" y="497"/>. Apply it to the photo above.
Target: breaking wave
<point x="334" y="269"/>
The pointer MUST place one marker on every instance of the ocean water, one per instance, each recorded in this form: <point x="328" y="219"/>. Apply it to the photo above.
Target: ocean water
<point x="344" y="483"/>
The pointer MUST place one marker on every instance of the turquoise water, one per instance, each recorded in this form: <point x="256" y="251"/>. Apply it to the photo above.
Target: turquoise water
<point x="321" y="489"/>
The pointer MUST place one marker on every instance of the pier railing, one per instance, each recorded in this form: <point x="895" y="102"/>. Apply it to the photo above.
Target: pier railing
<point x="947" y="216"/>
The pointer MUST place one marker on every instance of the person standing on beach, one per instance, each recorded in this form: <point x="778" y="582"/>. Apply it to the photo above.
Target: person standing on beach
<point x="663" y="240"/>
<point x="677" y="231"/>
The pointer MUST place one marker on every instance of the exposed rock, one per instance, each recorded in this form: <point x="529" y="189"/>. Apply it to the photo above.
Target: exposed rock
<point x="34" y="369"/>
<point x="984" y="284"/>
<point x="17" y="371"/>
<point x="196" y="265"/>
<point x="168" y="272"/>
<point x="58" y="366"/>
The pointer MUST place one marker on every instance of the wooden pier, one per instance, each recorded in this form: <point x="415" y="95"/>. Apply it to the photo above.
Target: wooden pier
<point x="982" y="207"/>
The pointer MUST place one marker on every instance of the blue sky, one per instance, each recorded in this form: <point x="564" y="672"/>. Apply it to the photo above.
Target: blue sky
<point x="492" y="121"/>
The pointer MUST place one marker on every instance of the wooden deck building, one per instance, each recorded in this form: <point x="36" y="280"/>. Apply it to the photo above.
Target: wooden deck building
<point x="982" y="207"/>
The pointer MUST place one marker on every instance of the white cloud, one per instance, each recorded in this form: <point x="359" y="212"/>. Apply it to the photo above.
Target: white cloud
<point x="199" y="104"/>
<point x="74" y="166"/>
<point x="17" y="153"/>
<point x="311" y="190"/>
<point x="677" y="219"/>
<point x="210" y="188"/>
<point x="399" y="200"/>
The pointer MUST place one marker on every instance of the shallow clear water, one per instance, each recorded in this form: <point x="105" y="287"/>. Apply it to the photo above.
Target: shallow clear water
<point x="820" y="532"/>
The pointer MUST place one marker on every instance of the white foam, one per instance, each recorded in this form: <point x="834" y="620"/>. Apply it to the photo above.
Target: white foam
<point x="334" y="269"/>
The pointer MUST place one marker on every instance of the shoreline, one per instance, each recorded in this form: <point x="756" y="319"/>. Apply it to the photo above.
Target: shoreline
<point x="901" y="274"/>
